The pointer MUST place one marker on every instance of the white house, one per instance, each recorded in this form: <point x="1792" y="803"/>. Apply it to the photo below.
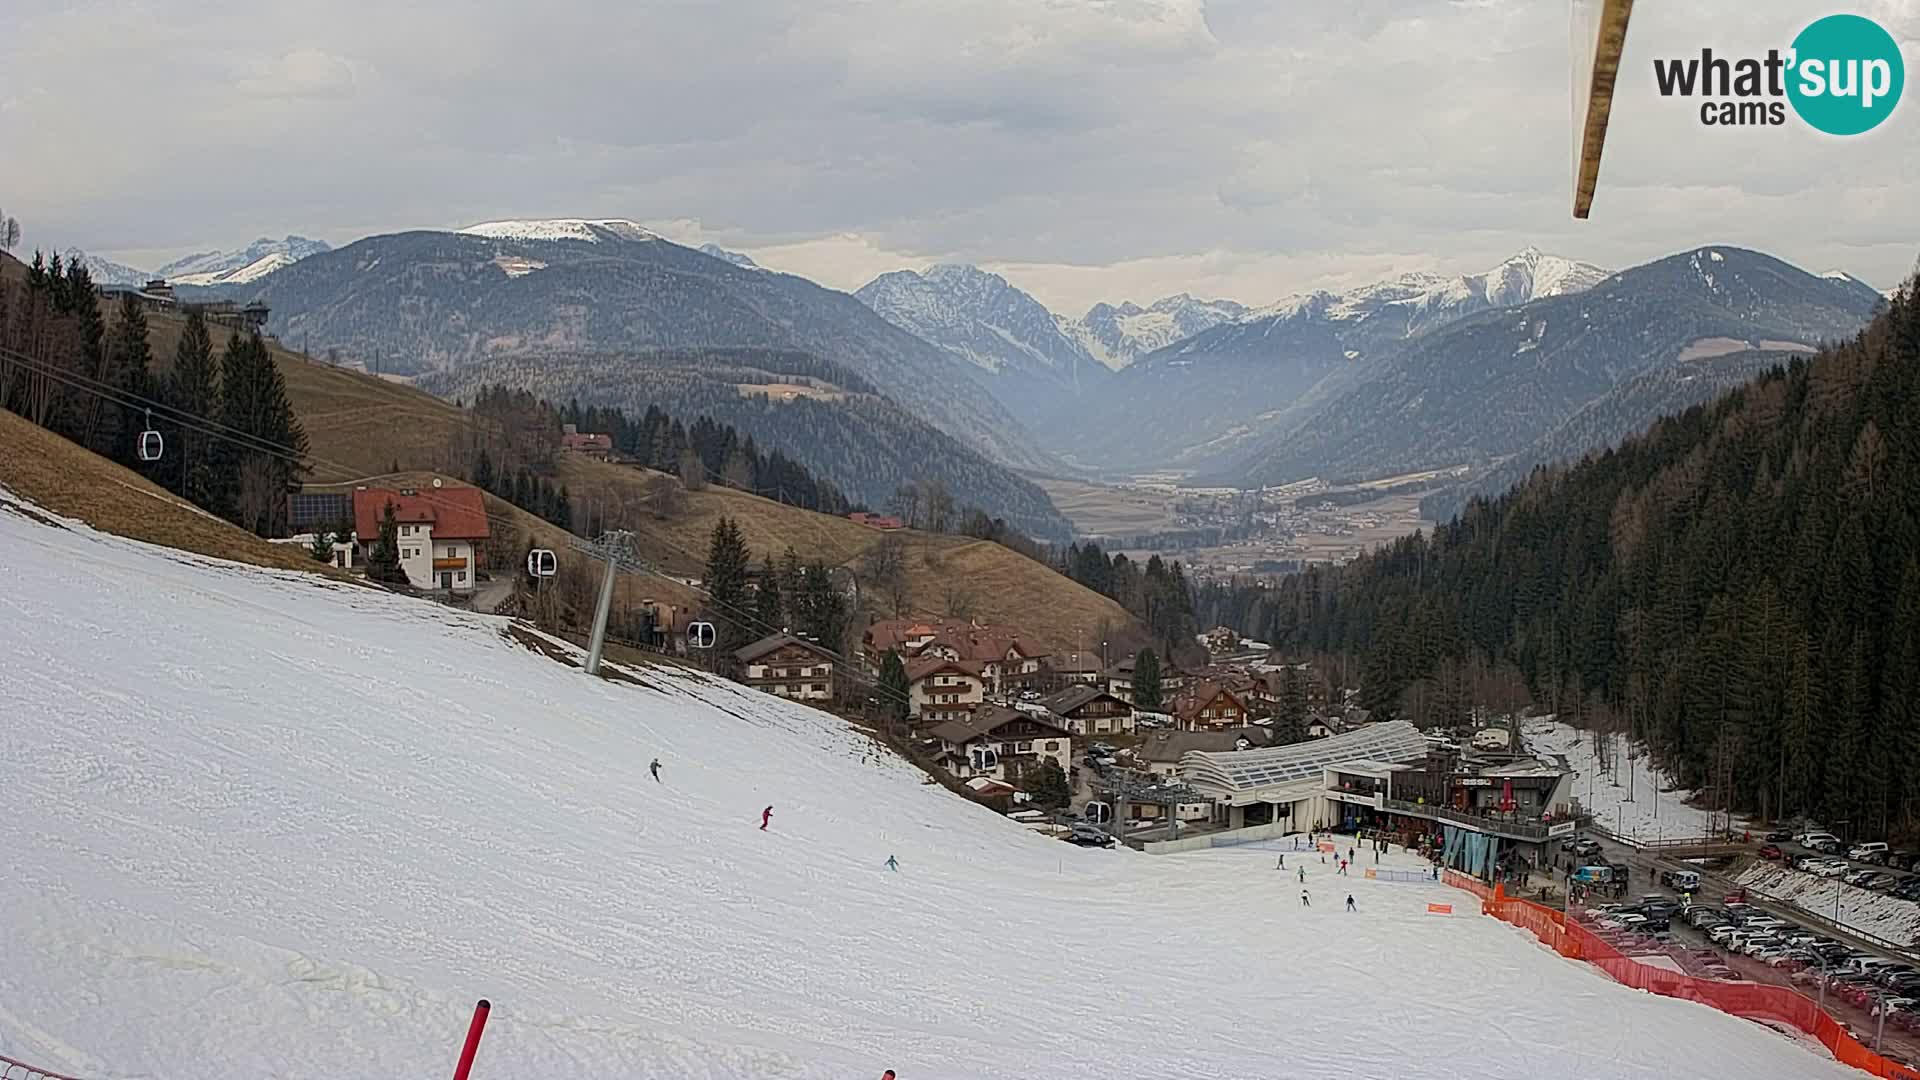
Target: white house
<point x="939" y="689"/>
<point x="438" y="532"/>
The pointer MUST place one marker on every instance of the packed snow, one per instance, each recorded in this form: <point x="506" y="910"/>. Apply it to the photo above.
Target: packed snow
<point x="1606" y="793"/>
<point x="1855" y="908"/>
<point x="258" y="824"/>
<point x="592" y="231"/>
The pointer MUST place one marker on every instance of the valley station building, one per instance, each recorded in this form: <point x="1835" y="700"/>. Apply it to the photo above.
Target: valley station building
<point x="1388" y="778"/>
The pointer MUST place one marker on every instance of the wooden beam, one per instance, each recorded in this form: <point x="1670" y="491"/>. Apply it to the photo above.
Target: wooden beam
<point x="1606" y="67"/>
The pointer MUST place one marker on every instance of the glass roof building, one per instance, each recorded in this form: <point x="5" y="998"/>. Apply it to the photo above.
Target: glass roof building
<point x="1244" y="776"/>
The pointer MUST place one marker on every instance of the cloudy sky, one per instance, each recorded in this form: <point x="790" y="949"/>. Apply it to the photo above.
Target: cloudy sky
<point x="1088" y="149"/>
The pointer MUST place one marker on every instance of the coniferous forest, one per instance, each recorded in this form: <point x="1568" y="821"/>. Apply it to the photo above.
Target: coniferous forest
<point x="229" y="439"/>
<point x="1739" y="587"/>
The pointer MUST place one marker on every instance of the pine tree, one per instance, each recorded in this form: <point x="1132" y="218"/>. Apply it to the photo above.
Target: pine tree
<point x="1146" y="681"/>
<point x="894" y="689"/>
<point x="194" y="388"/>
<point x="1290" y="722"/>
<point x="726" y="586"/>
<point x="483" y="470"/>
<point x="767" y="607"/>
<point x="383" y="560"/>
<point x="118" y="426"/>
<point x="322" y="547"/>
<point x="264" y="465"/>
<point x="1046" y="785"/>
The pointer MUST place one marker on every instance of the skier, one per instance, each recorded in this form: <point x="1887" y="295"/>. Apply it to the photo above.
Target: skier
<point x="1304" y="902"/>
<point x="655" y="767"/>
<point x="1349" y="853"/>
<point x="1350" y="902"/>
<point x="1283" y="862"/>
<point x="1303" y="875"/>
<point x="765" y="816"/>
<point x="893" y="864"/>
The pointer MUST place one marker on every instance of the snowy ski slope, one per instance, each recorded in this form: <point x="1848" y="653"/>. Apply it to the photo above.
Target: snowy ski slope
<point x="257" y="826"/>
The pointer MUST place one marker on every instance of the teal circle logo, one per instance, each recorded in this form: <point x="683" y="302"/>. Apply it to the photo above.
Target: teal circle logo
<point x="1847" y="74"/>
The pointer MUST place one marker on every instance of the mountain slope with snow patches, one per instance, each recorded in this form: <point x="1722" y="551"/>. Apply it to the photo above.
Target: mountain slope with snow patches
<point x="261" y="826"/>
<point x="241" y="265"/>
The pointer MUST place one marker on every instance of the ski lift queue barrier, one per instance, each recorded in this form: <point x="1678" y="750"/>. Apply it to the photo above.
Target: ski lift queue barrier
<point x="1749" y="1001"/>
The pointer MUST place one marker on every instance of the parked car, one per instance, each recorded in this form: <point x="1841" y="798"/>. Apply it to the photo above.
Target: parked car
<point x="1587" y="847"/>
<point x="1859" y="877"/>
<point x="1814" y="839"/>
<point x="1088" y="836"/>
<point x="1831" y="868"/>
<point x="1772" y="852"/>
<point x="1779" y="836"/>
<point x="1864" y="851"/>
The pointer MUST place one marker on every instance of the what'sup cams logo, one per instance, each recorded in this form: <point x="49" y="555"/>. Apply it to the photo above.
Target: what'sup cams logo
<point x="1843" y="75"/>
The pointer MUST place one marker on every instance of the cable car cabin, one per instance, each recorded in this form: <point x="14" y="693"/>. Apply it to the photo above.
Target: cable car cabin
<point x="151" y="445"/>
<point x="542" y="563"/>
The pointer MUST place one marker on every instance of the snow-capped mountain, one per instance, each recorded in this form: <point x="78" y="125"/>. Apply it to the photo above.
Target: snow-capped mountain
<point x="734" y="257"/>
<point x="590" y="230"/>
<point x="106" y="271"/>
<point x="1413" y="302"/>
<point x="1220" y="386"/>
<point x="1029" y="361"/>
<point x="1117" y="336"/>
<point x="251" y="263"/>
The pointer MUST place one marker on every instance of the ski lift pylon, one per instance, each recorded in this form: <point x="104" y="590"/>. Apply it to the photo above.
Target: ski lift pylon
<point x="541" y="562"/>
<point x="151" y="446"/>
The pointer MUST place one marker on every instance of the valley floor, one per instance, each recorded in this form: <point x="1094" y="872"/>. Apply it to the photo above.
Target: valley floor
<point x="260" y="824"/>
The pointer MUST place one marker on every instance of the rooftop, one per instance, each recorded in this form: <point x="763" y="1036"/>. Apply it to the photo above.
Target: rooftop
<point x="1245" y="770"/>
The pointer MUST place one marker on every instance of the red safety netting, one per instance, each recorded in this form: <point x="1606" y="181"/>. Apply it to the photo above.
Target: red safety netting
<point x="1751" y="1001"/>
<point x="20" y="1070"/>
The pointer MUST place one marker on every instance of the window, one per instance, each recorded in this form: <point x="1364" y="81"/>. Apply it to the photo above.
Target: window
<point x="1023" y="748"/>
<point x="460" y="576"/>
<point x="1053" y="745"/>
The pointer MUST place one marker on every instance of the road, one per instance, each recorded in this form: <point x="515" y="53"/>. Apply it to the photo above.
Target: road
<point x="1643" y="877"/>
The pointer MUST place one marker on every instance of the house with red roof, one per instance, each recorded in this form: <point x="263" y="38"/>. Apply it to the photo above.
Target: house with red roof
<point x="440" y="531"/>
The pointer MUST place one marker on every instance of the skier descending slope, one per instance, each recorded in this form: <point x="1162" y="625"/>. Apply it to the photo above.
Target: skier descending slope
<point x="893" y="864"/>
<point x="765" y="816"/>
<point x="656" y="768"/>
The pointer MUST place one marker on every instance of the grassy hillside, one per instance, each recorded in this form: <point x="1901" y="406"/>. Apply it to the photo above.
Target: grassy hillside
<point x="74" y="482"/>
<point x="943" y="572"/>
<point x="358" y="426"/>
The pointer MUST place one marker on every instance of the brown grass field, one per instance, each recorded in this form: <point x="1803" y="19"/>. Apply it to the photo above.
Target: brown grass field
<point x="1105" y="510"/>
<point x="59" y="476"/>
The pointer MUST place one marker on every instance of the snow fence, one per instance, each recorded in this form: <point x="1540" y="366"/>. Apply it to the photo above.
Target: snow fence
<point x="1750" y="1001"/>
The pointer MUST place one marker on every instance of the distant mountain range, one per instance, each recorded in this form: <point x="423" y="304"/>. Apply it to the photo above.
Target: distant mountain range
<point x="1117" y="336"/>
<point x="250" y="263"/>
<point x="236" y="267"/>
<point x="106" y="271"/>
<point x="1486" y="389"/>
<point x="1199" y="401"/>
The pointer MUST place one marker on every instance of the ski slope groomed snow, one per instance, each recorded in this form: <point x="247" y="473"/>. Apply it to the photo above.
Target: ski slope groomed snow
<point x="1626" y="806"/>
<point x="257" y="826"/>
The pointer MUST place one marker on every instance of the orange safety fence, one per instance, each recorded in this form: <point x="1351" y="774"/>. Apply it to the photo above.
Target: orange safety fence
<point x="1751" y="1001"/>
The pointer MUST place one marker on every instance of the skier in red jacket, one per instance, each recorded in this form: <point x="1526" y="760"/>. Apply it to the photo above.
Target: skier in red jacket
<point x="765" y="816"/>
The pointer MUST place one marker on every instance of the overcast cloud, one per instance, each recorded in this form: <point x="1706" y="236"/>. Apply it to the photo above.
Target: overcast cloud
<point x="1088" y="149"/>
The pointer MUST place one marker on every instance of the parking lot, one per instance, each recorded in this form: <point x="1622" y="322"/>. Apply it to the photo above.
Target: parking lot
<point x="1714" y="939"/>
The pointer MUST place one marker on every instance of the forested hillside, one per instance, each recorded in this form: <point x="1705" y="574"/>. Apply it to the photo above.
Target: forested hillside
<point x="1740" y="586"/>
<point x="827" y="418"/>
